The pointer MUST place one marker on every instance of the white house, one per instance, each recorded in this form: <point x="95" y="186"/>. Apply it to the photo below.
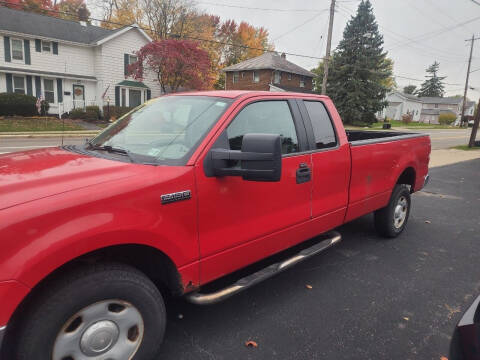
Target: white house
<point x="401" y="104"/>
<point x="71" y="64"/>
<point x="424" y="109"/>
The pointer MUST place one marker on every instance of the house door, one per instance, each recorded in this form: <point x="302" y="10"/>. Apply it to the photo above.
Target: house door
<point x="78" y="96"/>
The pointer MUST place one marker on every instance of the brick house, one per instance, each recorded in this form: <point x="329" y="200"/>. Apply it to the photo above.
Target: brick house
<point x="268" y="72"/>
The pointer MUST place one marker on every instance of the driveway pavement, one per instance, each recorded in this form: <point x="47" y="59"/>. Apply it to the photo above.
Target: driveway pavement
<point x="370" y="299"/>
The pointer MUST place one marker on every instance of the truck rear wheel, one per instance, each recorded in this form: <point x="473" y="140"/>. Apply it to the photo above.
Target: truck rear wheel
<point x="392" y="219"/>
<point x="107" y="311"/>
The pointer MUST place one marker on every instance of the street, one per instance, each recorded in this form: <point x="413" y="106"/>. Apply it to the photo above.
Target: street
<point x="441" y="139"/>
<point x="371" y="298"/>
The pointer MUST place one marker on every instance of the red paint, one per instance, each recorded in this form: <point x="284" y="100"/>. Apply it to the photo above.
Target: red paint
<point x="56" y="205"/>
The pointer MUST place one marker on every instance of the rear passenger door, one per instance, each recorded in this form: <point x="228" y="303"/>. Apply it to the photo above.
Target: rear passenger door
<point x="330" y="165"/>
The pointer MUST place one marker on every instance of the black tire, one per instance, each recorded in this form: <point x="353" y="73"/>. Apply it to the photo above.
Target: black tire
<point x="53" y="307"/>
<point x="386" y="223"/>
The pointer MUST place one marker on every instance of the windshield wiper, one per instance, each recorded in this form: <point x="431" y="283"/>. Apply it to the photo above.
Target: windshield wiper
<point x="111" y="149"/>
<point x="133" y="157"/>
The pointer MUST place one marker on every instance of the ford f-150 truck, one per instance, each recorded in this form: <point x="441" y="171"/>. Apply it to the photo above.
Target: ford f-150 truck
<point x="171" y="198"/>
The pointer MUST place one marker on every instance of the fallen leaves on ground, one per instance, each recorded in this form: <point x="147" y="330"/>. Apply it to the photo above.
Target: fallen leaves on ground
<point x="310" y="287"/>
<point x="406" y="318"/>
<point x="251" y="343"/>
<point x="428" y="222"/>
<point x="443" y="358"/>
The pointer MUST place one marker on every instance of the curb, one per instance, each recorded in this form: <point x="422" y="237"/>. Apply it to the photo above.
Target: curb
<point x="47" y="134"/>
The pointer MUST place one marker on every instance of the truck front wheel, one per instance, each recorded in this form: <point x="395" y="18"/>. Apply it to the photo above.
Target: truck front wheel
<point x="392" y="219"/>
<point x="107" y="311"/>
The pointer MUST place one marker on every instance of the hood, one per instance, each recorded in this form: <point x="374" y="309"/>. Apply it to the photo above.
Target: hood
<point x="31" y="175"/>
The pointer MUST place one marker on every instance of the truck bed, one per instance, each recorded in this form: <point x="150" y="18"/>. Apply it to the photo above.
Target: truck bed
<point x="361" y="137"/>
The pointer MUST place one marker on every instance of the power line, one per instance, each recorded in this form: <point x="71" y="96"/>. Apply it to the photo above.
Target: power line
<point x="413" y="79"/>
<point x="298" y="26"/>
<point x="174" y="35"/>
<point x="258" y="8"/>
<point x="409" y="42"/>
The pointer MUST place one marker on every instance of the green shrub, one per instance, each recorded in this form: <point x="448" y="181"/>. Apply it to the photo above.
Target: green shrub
<point x="115" y="111"/>
<point x="77" y="114"/>
<point x="93" y="113"/>
<point x="18" y="104"/>
<point x="446" y="118"/>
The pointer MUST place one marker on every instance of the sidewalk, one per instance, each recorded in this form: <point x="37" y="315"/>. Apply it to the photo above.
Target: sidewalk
<point x="443" y="157"/>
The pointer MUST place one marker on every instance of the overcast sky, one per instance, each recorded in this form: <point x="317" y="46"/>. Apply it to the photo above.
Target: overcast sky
<point x="416" y="32"/>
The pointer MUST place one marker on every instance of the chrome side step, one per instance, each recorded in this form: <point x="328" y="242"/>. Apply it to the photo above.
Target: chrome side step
<point x="267" y="272"/>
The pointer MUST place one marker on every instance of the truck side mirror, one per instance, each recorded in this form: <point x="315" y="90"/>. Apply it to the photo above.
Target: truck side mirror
<point x="260" y="159"/>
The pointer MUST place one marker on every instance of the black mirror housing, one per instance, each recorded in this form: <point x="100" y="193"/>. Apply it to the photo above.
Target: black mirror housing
<point x="262" y="170"/>
<point x="260" y="159"/>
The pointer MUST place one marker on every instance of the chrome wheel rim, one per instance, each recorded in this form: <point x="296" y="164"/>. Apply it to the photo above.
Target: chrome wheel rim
<point x="106" y="330"/>
<point x="400" y="212"/>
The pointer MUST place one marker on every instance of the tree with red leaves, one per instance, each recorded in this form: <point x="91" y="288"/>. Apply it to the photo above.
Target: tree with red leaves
<point x="176" y="64"/>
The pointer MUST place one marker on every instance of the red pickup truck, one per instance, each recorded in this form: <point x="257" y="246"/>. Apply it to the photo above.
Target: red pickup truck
<point x="178" y="193"/>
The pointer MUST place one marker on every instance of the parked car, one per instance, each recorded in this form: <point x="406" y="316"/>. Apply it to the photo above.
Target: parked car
<point x="465" y="343"/>
<point x="177" y="194"/>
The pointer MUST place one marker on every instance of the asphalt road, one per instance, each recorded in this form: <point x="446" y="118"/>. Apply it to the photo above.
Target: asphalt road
<point x="12" y="144"/>
<point x="441" y="139"/>
<point x="444" y="139"/>
<point x="371" y="298"/>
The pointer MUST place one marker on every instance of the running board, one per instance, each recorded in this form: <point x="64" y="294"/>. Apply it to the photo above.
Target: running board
<point x="252" y="279"/>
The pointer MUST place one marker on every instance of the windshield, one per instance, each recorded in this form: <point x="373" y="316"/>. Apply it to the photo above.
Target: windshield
<point x="165" y="130"/>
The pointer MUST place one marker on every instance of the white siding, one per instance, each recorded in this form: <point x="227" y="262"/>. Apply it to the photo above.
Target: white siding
<point x="112" y="65"/>
<point x="105" y="62"/>
<point x="71" y="59"/>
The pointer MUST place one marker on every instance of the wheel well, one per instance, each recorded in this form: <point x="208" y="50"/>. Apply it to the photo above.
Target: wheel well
<point x="152" y="262"/>
<point x="408" y="178"/>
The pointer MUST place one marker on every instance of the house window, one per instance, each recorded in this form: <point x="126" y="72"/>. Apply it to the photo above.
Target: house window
<point x="277" y="77"/>
<point x="302" y="81"/>
<point x="289" y="76"/>
<point x="17" y="49"/>
<point x="46" y="46"/>
<point x="243" y="74"/>
<point x="48" y="91"/>
<point x="235" y="77"/>
<point x="132" y="59"/>
<point x="124" y="97"/>
<point x="19" y="84"/>
<point x="256" y="77"/>
<point x="436" y="106"/>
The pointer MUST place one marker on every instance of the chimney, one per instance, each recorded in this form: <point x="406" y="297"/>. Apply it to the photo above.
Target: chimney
<point x="284" y="56"/>
<point x="83" y="15"/>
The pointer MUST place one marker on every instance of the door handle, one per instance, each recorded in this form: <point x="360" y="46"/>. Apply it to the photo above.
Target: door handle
<point x="304" y="174"/>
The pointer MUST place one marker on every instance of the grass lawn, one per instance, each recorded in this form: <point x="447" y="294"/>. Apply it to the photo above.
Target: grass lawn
<point x="466" y="148"/>
<point x="19" y="124"/>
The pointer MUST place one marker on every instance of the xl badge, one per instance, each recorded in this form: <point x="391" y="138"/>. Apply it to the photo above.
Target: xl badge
<point x="176" y="196"/>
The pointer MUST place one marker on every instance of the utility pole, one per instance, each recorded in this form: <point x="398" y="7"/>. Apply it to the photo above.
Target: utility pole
<point x="466" y="81"/>
<point x="329" y="45"/>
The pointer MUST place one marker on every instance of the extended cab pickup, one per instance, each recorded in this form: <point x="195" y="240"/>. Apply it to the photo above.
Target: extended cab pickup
<point x="177" y="194"/>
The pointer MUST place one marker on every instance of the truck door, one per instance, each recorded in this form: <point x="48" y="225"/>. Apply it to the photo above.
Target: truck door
<point x="241" y="221"/>
<point x="330" y="165"/>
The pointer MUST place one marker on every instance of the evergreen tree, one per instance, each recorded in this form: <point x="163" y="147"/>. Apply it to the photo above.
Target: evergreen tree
<point x="409" y="89"/>
<point x="360" y="71"/>
<point x="433" y="86"/>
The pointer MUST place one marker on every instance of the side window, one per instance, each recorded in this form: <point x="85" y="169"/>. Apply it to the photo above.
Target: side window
<point x="264" y="117"/>
<point x="323" y="131"/>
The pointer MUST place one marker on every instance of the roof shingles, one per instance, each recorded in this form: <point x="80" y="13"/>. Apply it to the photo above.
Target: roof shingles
<point x="50" y="27"/>
<point x="269" y="60"/>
